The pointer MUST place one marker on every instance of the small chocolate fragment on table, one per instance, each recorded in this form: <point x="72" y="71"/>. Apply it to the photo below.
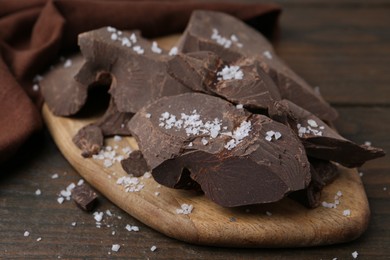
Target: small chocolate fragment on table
<point x="84" y="197"/>
<point x="135" y="164"/>
<point x="232" y="39"/>
<point x="320" y="140"/>
<point x="194" y="140"/>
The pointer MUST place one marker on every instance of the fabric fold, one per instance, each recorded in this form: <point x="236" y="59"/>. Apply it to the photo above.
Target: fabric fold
<point x="33" y="33"/>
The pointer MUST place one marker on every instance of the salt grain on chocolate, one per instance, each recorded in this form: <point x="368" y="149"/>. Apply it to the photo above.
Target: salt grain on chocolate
<point x="174" y="50"/>
<point x="185" y="209"/>
<point x="115" y="247"/>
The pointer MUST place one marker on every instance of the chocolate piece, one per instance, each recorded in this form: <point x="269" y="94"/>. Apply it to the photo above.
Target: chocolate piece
<point x="89" y="139"/>
<point x="205" y="72"/>
<point x="84" y="197"/>
<point x="138" y="70"/>
<point x="223" y="149"/>
<point x="114" y="122"/>
<point x="135" y="164"/>
<point x="320" y="140"/>
<point x="196" y="70"/>
<point x="323" y="173"/>
<point x="63" y="95"/>
<point x="231" y="39"/>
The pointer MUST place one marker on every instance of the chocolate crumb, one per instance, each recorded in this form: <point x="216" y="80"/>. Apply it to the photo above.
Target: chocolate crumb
<point x="84" y="197"/>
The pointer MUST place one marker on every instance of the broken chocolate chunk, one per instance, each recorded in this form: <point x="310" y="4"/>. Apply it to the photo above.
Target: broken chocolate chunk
<point x="138" y="73"/>
<point x="320" y="140"/>
<point x="63" y="95"/>
<point x="223" y="149"/>
<point x="84" y="197"/>
<point x="89" y="139"/>
<point x="242" y="82"/>
<point x="322" y="173"/>
<point x="135" y="164"/>
<point x="232" y="39"/>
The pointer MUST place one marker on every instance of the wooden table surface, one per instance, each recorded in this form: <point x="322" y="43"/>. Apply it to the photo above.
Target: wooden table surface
<point x="341" y="46"/>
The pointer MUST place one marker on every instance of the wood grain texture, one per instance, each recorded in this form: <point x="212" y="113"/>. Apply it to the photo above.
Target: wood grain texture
<point x="364" y="116"/>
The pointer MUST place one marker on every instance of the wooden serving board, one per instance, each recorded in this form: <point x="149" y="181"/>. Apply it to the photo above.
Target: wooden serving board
<point x="282" y="224"/>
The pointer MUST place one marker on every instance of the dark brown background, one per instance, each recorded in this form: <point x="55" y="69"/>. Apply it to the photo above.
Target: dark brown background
<point x="341" y="46"/>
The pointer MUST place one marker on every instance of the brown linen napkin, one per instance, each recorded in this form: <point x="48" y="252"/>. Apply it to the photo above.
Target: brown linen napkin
<point x="34" y="32"/>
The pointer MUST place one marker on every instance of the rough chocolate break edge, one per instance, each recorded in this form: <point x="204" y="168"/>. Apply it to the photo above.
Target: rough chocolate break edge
<point x="191" y="134"/>
<point x="136" y="65"/>
<point x="231" y="39"/>
<point x="320" y="140"/>
<point x="204" y="71"/>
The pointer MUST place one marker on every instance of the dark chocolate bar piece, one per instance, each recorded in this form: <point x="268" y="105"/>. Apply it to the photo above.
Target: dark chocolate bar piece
<point x="236" y="157"/>
<point x="84" y="197"/>
<point x="320" y="140"/>
<point x="137" y="67"/>
<point x="241" y="82"/>
<point x="63" y="95"/>
<point x="232" y="39"/>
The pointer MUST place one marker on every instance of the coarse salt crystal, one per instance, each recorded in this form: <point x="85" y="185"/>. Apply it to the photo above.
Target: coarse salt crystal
<point x="312" y="123"/>
<point x="190" y="144"/>
<point x="147" y="175"/>
<point x="173" y="51"/>
<point x="153" y="248"/>
<point x="98" y="216"/>
<point x="108" y="213"/>
<point x="157" y="193"/>
<point x="68" y="63"/>
<point x="347" y="212"/>
<point x="35" y="87"/>
<point x="339" y="193"/>
<point x="117" y="138"/>
<point x="73" y="224"/>
<point x="148" y="115"/>
<point x="277" y="135"/>
<point x="231" y="72"/>
<point x="38" y="192"/>
<point x="39" y="239"/>
<point x="268" y="138"/>
<point x="80" y="182"/>
<point x="268" y="55"/>
<point x="111" y="29"/>
<point x="60" y="200"/>
<point x="54" y="176"/>
<point x="133" y="38"/>
<point x="107" y="163"/>
<point x="185" y="209"/>
<point x="26" y="233"/>
<point x="138" y="49"/>
<point x="204" y="141"/>
<point x="355" y="254"/>
<point x="367" y="143"/>
<point x="239" y="106"/>
<point x="114" y="36"/>
<point x="115" y="247"/>
<point x="155" y="48"/>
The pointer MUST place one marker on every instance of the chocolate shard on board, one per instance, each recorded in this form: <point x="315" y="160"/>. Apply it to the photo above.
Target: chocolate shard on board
<point x="63" y="95"/>
<point x="322" y="173"/>
<point x="231" y="39"/>
<point x="135" y="164"/>
<point x="242" y="82"/>
<point x="137" y="67"/>
<point x="89" y="140"/>
<point x="84" y="197"/>
<point x="320" y="140"/>
<point x="236" y="157"/>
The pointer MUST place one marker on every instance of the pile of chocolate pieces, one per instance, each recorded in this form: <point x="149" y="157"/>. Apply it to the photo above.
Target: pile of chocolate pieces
<point x="220" y="112"/>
